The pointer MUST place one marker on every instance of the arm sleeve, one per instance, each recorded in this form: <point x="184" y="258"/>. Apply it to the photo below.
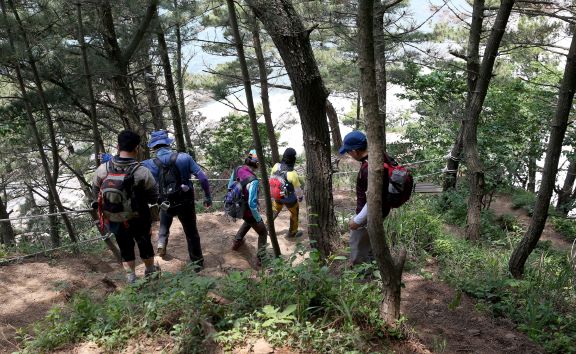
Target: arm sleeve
<point x="96" y="182"/>
<point x="231" y="180"/>
<point x="204" y="183"/>
<point x="296" y="183"/>
<point x="361" y="217"/>
<point x="253" y="199"/>
<point x="151" y="187"/>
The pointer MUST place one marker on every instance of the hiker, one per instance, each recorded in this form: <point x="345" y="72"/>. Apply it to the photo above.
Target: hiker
<point x="356" y="145"/>
<point x="124" y="189"/>
<point x="251" y="216"/>
<point x="285" y="190"/>
<point x="172" y="170"/>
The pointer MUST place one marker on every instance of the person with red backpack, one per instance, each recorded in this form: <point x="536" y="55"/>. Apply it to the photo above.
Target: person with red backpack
<point x="285" y="190"/>
<point x="251" y="216"/>
<point x="355" y="145"/>
<point x="124" y="188"/>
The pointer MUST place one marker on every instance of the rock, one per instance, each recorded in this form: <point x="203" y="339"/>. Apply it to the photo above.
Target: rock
<point x="262" y="347"/>
<point x="474" y="332"/>
<point x="510" y="336"/>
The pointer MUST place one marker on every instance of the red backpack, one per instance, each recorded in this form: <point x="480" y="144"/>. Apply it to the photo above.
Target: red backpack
<point x="400" y="183"/>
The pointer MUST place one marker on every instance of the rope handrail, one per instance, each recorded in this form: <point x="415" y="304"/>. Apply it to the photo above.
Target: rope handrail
<point x="37" y="216"/>
<point x="19" y="258"/>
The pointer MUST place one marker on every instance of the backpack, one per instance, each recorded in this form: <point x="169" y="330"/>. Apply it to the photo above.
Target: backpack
<point x="400" y="183"/>
<point x="279" y="185"/>
<point x="116" y="197"/>
<point x="234" y="201"/>
<point x="170" y="181"/>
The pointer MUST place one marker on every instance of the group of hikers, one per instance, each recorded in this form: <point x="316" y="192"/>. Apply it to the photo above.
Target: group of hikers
<point x="125" y="187"/>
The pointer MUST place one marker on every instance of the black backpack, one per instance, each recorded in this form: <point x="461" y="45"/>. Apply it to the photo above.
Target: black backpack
<point x="170" y="181"/>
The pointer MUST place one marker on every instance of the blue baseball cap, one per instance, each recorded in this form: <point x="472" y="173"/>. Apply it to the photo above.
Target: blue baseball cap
<point x="159" y="137"/>
<point x="355" y="140"/>
<point x="253" y="156"/>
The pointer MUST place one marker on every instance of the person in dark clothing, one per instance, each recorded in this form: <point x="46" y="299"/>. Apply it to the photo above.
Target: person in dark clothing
<point x="185" y="208"/>
<point x="252" y="218"/>
<point x="355" y="144"/>
<point x="132" y="223"/>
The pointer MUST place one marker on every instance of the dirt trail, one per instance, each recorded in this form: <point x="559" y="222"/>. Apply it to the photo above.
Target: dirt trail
<point x="31" y="288"/>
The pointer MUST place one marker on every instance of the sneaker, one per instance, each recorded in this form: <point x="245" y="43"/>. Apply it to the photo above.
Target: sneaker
<point x="296" y="234"/>
<point x="149" y="272"/>
<point x="131" y="277"/>
<point x="237" y="244"/>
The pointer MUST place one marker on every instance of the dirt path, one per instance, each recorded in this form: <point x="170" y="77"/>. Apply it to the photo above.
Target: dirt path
<point x="30" y="289"/>
<point x="502" y="204"/>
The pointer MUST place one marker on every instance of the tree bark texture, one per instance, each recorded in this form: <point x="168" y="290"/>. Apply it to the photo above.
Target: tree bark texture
<point x="170" y="90"/>
<point x="180" y="85"/>
<point x="565" y="194"/>
<point x="292" y="41"/>
<point x="380" y="64"/>
<point x="532" y="167"/>
<point x="475" y="167"/>
<point x="151" y="89"/>
<point x="553" y="152"/>
<point x="6" y="230"/>
<point x="264" y="91"/>
<point x="254" y="125"/>
<point x="472" y="69"/>
<point x="98" y="148"/>
<point x="390" y="270"/>
<point x="334" y="126"/>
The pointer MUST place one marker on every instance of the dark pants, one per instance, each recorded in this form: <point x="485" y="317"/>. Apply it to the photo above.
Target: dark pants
<point x="186" y="213"/>
<point x="259" y="227"/>
<point x="135" y="231"/>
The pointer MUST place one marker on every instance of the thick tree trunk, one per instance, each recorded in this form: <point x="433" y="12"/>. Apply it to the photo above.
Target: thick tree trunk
<point x="6" y="230"/>
<point x="253" y="124"/>
<point x="475" y="167"/>
<point x="170" y="91"/>
<point x="180" y="86"/>
<point x="51" y="176"/>
<point x="264" y="91"/>
<point x="334" y="126"/>
<point x="151" y="90"/>
<point x="390" y="270"/>
<point x="553" y="152"/>
<point x="380" y="64"/>
<point x="472" y="68"/>
<point x="292" y="41"/>
<point x="98" y="147"/>
<point x="565" y="194"/>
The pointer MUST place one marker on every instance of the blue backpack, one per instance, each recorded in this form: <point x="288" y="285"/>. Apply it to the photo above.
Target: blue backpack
<point x="234" y="201"/>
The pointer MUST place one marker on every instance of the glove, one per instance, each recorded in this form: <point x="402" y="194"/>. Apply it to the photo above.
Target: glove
<point x="207" y="202"/>
<point x="94" y="205"/>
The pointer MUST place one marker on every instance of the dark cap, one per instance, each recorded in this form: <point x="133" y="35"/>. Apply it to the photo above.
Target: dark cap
<point x="355" y="140"/>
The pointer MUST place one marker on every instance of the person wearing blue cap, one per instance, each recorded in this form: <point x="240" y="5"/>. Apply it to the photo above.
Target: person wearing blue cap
<point x="173" y="172"/>
<point x="252" y="218"/>
<point x="355" y="145"/>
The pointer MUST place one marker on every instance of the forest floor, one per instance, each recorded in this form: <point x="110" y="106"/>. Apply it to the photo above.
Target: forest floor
<point x="31" y="288"/>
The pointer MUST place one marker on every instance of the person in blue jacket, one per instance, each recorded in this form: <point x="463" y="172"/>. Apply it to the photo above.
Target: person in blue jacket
<point x="185" y="209"/>
<point x="252" y="218"/>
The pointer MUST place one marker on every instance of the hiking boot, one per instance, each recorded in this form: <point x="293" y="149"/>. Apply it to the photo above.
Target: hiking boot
<point x="237" y="244"/>
<point x="151" y="271"/>
<point x="296" y="234"/>
<point x="131" y="278"/>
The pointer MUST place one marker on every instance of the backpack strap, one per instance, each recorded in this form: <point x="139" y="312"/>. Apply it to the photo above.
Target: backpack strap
<point x="171" y="165"/>
<point x="174" y="168"/>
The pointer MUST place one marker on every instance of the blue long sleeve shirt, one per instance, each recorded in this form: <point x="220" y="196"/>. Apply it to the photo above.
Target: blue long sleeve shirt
<point x="186" y="166"/>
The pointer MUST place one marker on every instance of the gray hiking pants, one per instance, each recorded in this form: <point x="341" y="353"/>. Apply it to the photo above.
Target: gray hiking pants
<point x="360" y="248"/>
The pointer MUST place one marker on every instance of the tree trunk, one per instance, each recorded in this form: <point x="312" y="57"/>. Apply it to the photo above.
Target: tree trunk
<point x="532" y="167"/>
<point x="475" y="167"/>
<point x="180" y="86"/>
<point x="51" y="176"/>
<point x="553" y="152"/>
<point x="390" y="270"/>
<point x="565" y="194"/>
<point x="292" y="41"/>
<point x="6" y="230"/>
<point x="358" y="108"/>
<point x="98" y="148"/>
<point x="380" y="64"/>
<point x="170" y="91"/>
<point x="472" y="68"/>
<point x="334" y="126"/>
<point x="253" y="124"/>
<point x="264" y="91"/>
<point x="151" y="90"/>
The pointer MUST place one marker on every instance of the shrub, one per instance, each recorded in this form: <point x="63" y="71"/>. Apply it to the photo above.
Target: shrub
<point x="564" y="226"/>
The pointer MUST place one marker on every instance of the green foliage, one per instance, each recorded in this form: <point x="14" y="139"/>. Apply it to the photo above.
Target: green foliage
<point x="230" y="142"/>
<point x="564" y="226"/>
<point x="522" y="199"/>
